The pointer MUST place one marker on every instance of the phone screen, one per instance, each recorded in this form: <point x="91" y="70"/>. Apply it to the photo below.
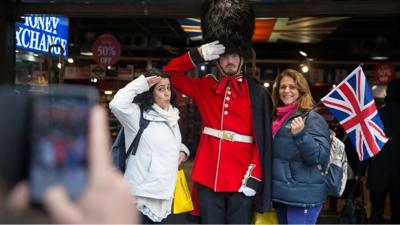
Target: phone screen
<point x="59" y="143"/>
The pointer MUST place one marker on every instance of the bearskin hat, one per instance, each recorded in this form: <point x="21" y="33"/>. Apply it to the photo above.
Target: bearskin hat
<point x="231" y="22"/>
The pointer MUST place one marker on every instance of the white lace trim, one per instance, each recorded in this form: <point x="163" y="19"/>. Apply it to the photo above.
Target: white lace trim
<point x="155" y="209"/>
<point x="147" y="212"/>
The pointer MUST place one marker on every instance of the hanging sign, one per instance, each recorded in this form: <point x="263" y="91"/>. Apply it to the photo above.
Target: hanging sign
<point x="38" y="33"/>
<point x="384" y="73"/>
<point x="106" y="50"/>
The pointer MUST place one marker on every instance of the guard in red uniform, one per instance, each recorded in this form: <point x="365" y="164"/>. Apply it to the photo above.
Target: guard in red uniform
<point x="232" y="167"/>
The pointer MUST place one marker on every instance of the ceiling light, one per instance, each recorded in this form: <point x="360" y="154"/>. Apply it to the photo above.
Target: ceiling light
<point x="379" y="57"/>
<point x="70" y="60"/>
<point x="303" y="53"/>
<point x="266" y="84"/>
<point x="380" y="49"/>
<point x="304" y="68"/>
<point x="87" y="53"/>
<point x="108" y="92"/>
<point x="59" y="65"/>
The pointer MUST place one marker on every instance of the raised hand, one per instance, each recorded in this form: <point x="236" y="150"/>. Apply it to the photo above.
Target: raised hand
<point x="152" y="80"/>
<point x="212" y="50"/>
<point x="297" y="125"/>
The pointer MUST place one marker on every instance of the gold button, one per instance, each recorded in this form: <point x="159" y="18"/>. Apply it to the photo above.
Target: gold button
<point x="225" y="112"/>
<point x="226" y="105"/>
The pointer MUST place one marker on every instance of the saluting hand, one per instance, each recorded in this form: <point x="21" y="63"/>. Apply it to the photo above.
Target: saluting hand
<point x="152" y="80"/>
<point x="297" y="125"/>
<point x="211" y="51"/>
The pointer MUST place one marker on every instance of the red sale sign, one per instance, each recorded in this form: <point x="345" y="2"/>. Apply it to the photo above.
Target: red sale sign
<point x="106" y="50"/>
<point x="384" y="73"/>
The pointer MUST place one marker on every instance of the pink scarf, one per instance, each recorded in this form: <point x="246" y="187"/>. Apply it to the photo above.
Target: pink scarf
<point x="282" y="114"/>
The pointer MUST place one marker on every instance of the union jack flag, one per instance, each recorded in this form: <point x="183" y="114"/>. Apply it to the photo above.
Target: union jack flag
<point x="352" y="104"/>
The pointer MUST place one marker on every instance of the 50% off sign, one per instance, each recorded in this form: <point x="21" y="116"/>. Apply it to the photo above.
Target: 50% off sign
<point x="106" y="50"/>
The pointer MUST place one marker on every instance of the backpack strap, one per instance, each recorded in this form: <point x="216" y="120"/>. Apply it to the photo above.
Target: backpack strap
<point x="143" y="123"/>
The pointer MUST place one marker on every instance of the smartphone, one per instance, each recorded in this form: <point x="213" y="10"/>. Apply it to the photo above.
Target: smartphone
<point x="59" y="139"/>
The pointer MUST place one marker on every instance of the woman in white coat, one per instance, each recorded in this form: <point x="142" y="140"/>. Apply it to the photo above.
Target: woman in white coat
<point x="151" y="173"/>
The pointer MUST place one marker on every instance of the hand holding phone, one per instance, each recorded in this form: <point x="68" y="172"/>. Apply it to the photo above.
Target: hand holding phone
<point x="106" y="198"/>
<point x="59" y="134"/>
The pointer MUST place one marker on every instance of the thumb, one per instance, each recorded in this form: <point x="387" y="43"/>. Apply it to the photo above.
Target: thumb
<point x="214" y="42"/>
<point x="99" y="142"/>
<point x="60" y="207"/>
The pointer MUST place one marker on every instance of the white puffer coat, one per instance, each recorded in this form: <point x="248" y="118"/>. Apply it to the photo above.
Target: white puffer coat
<point x="153" y="170"/>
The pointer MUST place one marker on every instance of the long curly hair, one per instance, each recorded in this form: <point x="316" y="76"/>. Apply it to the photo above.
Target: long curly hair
<point x="145" y="100"/>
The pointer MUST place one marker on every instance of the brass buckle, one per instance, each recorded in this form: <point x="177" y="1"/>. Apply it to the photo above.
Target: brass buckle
<point x="226" y="135"/>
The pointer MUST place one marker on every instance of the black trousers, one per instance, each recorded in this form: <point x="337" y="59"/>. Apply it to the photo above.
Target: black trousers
<point x="224" y="207"/>
<point x="378" y="204"/>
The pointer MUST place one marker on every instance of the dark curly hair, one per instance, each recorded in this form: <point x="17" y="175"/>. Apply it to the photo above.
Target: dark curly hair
<point x="145" y="100"/>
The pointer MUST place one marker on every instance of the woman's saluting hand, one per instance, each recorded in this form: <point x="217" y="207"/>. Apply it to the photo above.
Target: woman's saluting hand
<point x="152" y="80"/>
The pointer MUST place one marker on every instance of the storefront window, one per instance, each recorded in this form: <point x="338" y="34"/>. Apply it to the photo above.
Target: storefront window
<point x="41" y="47"/>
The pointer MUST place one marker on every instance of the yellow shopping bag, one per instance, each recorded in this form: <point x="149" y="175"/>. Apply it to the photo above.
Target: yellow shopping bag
<point x="182" y="199"/>
<point x="265" y="218"/>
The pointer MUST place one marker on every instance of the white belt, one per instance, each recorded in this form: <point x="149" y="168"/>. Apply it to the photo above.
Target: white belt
<point x="228" y="135"/>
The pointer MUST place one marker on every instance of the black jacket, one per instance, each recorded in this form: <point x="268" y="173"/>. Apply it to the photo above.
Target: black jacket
<point x="261" y="105"/>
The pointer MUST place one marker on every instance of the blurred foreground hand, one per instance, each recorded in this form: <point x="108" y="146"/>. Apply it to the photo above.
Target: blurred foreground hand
<point x="106" y="198"/>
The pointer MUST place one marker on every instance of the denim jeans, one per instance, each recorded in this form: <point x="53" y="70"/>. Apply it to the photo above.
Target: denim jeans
<point x="288" y="214"/>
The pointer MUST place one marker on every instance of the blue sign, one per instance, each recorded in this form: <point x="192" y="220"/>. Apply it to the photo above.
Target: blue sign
<point x="38" y="33"/>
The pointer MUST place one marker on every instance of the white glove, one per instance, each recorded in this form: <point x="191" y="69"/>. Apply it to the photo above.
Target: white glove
<point x="212" y="50"/>
<point x="247" y="191"/>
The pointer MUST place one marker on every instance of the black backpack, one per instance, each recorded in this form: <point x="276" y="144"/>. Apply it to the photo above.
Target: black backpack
<point x="118" y="148"/>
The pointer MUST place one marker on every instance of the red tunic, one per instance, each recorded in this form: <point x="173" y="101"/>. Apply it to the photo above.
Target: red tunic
<point x="219" y="164"/>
